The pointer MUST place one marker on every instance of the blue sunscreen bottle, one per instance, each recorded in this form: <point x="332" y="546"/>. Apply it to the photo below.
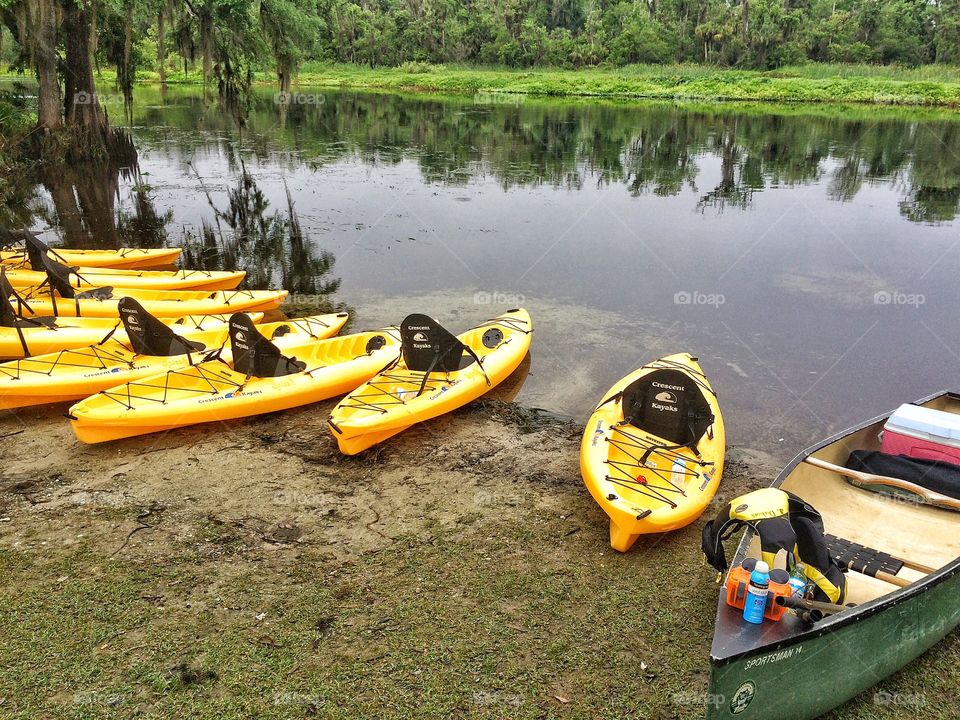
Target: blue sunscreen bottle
<point x="756" y="600"/>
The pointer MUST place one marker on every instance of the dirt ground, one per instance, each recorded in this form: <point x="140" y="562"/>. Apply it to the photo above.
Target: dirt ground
<point x="249" y="570"/>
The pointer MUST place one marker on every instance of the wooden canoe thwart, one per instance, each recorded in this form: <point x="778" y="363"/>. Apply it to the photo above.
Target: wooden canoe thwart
<point x="903" y="580"/>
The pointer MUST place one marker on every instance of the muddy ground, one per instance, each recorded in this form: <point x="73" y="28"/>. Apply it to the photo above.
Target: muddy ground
<point x="249" y="570"/>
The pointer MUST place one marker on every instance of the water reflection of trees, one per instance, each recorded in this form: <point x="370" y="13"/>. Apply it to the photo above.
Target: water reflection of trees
<point x="271" y="247"/>
<point x="657" y="148"/>
<point x="83" y="207"/>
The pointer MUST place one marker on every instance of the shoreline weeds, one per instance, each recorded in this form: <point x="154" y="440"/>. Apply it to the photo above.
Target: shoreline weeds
<point x="668" y="82"/>
<point x="460" y="568"/>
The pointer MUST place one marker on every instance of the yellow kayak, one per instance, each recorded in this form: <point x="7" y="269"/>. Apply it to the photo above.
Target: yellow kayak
<point x="85" y="278"/>
<point x="652" y="452"/>
<point x="39" y="336"/>
<point x="262" y="380"/>
<point x="437" y="373"/>
<point x="126" y="258"/>
<point x="102" y="302"/>
<point x="147" y="347"/>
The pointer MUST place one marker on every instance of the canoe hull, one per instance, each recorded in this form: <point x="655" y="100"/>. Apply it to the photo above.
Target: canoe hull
<point x="789" y="681"/>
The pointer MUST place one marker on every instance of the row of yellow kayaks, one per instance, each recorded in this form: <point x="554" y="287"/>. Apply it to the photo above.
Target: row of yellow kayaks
<point x="265" y="372"/>
<point x="144" y="374"/>
<point x="652" y="454"/>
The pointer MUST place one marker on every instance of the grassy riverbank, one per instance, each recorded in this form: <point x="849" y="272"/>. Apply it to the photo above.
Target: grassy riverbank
<point x="932" y="85"/>
<point x="805" y="84"/>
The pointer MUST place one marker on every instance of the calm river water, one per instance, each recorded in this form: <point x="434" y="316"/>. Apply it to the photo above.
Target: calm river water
<point x="809" y="256"/>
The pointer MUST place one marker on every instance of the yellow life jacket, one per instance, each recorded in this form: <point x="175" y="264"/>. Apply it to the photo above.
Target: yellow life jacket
<point x="783" y="521"/>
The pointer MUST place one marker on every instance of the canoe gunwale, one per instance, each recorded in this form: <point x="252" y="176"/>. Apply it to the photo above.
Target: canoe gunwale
<point x="860" y="612"/>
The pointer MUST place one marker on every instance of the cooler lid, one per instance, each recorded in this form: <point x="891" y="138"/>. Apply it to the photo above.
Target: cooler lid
<point x="912" y="419"/>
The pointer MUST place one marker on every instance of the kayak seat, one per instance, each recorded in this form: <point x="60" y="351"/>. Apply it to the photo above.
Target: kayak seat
<point x="254" y="355"/>
<point x="9" y="317"/>
<point x="667" y="403"/>
<point x="426" y="346"/>
<point x="149" y="336"/>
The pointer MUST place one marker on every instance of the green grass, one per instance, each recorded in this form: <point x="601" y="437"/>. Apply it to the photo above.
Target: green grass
<point x="668" y="82"/>
<point x="933" y="85"/>
<point x="492" y="620"/>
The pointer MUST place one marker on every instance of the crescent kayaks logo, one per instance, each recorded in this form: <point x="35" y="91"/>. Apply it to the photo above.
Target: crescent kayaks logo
<point x="133" y="319"/>
<point x="667" y="397"/>
<point x="241" y="337"/>
<point x="421" y="337"/>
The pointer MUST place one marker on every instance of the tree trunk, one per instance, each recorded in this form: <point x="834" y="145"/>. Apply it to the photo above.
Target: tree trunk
<point x="82" y="108"/>
<point x="126" y="75"/>
<point x="206" y="46"/>
<point x="161" y="45"/>
<point x="43" y="21"/>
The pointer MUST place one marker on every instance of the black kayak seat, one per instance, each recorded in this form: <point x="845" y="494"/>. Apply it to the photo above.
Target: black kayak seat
<point x="58" y="275"/>
<point x="149" y="336"/>
<point x="8" y="315"/>
<point x="254" y="355"/>
<point x="667" y="403"/>
<point x="426" y="346"/>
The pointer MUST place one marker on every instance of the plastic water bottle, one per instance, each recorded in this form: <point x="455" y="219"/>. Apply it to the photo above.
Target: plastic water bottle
<point x="798" y="580"/>
<point x="756" y="601"/>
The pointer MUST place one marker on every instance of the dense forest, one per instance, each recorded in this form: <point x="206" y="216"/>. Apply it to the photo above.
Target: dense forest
<point x="227" y="39"/>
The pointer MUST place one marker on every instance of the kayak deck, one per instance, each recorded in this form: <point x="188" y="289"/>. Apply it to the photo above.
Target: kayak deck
<point x="213" y="391"/>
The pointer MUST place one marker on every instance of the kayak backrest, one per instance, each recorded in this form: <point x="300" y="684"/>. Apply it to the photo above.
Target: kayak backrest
<point x="667" y="403"/>
<point x="427" y="346"/>
<point x="58" y="277"/>
<point x="254" y="355"/>
<point x="149" y="336"/>
<point x="9" y="238"/>
<point x="8" y="316"/>
<point x="36" y="251"/>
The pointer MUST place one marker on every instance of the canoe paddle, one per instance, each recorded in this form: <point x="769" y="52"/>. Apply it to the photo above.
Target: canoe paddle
<point x="860" y="479"/>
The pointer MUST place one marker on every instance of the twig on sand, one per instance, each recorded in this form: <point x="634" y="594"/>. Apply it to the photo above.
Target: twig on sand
<point x="141" y="525"/>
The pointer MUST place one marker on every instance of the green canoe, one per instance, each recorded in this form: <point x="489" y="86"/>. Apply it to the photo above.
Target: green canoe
<point x="791" y="670"/>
